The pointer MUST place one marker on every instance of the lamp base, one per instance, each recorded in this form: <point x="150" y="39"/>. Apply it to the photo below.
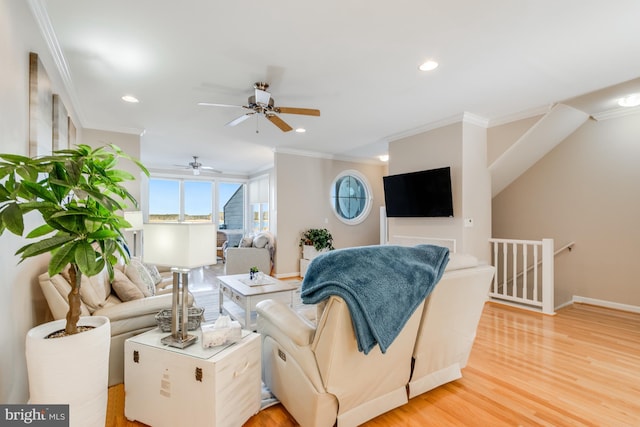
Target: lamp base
<point x="179" y="341"/>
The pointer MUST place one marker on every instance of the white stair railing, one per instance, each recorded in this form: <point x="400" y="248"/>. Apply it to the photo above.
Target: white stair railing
<point x="524" y="273"/>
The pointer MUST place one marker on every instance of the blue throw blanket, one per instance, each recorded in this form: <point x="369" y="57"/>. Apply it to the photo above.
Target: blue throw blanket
<point x="382" y="286"/>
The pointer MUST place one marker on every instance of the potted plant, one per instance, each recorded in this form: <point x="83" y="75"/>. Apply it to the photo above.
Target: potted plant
<point x="78" y="193"/>
<point x="314" y="241"/>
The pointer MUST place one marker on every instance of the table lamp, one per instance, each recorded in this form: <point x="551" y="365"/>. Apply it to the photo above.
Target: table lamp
<point x="135" y="219"/>
<point x="181" y="246"/>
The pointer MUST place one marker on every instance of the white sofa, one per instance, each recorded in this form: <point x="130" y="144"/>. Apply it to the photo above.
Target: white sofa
<point x="321" y="378"/>
<point x="99" y="298"/>
<point x="253" y="251"/>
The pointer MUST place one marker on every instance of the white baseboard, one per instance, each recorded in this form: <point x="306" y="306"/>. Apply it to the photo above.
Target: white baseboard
<point x="607" y="304"/>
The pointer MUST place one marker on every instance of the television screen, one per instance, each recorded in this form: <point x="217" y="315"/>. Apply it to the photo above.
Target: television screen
<point x="419" y="194"/>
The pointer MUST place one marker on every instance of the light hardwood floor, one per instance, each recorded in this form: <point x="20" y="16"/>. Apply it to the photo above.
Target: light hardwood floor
<point x="578" y="368"/>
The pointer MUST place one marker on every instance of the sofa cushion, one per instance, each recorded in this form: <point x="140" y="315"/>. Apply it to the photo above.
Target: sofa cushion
<point x="261" y="240"/>
<point x="94" y="290"/>
<point x="246" y="242"/>
<point x="154" y="273"/>
<point x="124" y="288"/>
<point x="138" y="274"/>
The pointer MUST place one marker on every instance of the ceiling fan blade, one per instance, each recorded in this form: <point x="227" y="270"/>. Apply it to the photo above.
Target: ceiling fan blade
<point x="182" y="166"/>
<point x="210" y="169"/>
<point x="284" y="127"/>
<point x="208" y="104"/>
<point x="294" y="110"/>
<point x="239" y="119"/>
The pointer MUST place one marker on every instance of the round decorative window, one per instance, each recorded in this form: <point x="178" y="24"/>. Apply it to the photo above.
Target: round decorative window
<point x="351" y="197"/>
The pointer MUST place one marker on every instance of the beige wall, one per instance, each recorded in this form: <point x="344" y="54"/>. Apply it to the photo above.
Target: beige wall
<point x="461" y="146"/>
<point x="504" y="136"/>
<point x="585" y="190"/>
<point x="303" y="186"/>
<point x="22" y="304"/>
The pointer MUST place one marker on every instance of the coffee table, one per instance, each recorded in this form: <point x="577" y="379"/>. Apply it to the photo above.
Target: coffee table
<point x="239" y="296"/>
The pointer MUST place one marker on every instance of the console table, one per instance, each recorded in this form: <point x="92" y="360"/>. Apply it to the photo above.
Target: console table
<point x="194" y="386"/>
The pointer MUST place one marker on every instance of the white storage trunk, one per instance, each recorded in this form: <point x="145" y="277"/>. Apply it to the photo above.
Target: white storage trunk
<point x="167" y="386"/>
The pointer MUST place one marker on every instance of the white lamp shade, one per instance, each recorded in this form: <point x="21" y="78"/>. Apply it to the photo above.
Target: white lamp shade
<point x="135" y="219"/>
<point x="183" y="245"/>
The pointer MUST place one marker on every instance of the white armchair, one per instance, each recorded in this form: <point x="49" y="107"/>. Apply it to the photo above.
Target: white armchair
<point x="320" y="376"/>
<point x="318" y="373"/>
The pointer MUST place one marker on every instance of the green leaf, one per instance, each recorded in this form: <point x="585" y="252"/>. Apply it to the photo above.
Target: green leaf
<point x="60" y="258"/>
<point x="103" y="234"/>
<point x="39" y="191"/>
<point x="42" y="246"/>
<point x="27" y="172"/>
<point x="12" y="218"/>
<point x="87" y="259"/>
<point x="120" y="175"/>
<point x="15" y="158"/>
<point x="43" y="230"/>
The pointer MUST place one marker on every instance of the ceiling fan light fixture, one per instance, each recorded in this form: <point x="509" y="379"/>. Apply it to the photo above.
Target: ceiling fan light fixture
<point x="196" y="171"/>
<point x="429" y="65"/>
<point x="630" y="101"/>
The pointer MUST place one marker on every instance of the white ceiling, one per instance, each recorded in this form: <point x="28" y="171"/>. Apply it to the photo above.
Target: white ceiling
<point x="355" y="60"/>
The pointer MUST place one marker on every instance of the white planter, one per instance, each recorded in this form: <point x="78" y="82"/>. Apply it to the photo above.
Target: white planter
<point x="71" y="370"/>
<point x="309" y="252"/>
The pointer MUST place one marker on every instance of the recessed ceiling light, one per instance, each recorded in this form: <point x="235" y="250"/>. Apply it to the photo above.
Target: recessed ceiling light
<point x="428" y="66"/>
<point x="384" y="158"/>
<point x="630" y="101"/>
<point x="130" y="98"/>
<point x="301" y="130"/>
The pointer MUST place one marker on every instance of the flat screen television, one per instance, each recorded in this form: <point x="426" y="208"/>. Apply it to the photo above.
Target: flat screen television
<point x="419" y="194"/>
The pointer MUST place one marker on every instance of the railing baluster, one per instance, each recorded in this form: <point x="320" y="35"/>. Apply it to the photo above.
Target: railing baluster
<point x="514" y="272"/>
<point x="524" y="268"/>
<point x="504" y="269"/>
<point x="535" y="274"/>
<point x="495" y="263"/>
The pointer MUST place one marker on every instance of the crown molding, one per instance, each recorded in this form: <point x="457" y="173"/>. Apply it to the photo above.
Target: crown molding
<point x="474" y="119"/>
<point x="615" y="113"/>
<point x="538" y="111"/>
<point x="465" y="117"/>
<point x="41" y="16"/>
<point x="326" y="156"/>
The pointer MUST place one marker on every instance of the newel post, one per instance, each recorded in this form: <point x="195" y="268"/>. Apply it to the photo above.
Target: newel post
<point x="547" y="276"/>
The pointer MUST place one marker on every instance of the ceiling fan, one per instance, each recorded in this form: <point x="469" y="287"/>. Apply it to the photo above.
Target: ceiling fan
<point x="262" y="103"/>
<point x="196" y="166"/>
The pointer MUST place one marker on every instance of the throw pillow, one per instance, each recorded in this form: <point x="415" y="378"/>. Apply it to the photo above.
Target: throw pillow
<point x="246" y="242"/>
<point x="94" y="290"/>
<point x="155" y="274"/>
<point x="261" y="240"/>
<point x="124" y="288"/>
<point x="138" y="274"/>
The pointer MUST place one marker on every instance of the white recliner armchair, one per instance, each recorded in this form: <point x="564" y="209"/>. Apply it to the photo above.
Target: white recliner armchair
<point x="318" y="374"/>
